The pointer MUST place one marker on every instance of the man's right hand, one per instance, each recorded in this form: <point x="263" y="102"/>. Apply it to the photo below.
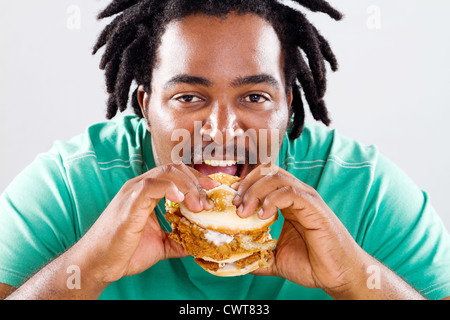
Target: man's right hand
<point x="127" y="238"/>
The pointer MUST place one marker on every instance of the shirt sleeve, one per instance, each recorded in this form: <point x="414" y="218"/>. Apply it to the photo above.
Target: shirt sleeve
<point x="405" y="233"/>
<point x="36" y="219"/>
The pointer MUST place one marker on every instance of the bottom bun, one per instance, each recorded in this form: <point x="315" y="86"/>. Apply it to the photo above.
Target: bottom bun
<point x="232" y="270"/>
<point x="239" y="267"/>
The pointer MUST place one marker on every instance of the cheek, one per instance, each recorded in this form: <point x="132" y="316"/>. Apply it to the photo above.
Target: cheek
<point x="270" y="129"/>
<point x="164" y="129"/>
<point x="277" y="125"/>
<point x="280" y="119"/>
<point x="159" y="118"/>
<point x="276" y="120"/>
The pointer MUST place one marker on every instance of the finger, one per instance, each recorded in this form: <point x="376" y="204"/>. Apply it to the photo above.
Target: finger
<point x="285" y="197"/>
<point x="267" y="170"/>
<point x="279" y="199"/>
<point x="201" y="183"/>
<point x="259" y="190"/>
<point x="205" y="181"/>
<point x="236" y="185"/>
<point x="195" y="197"/>
<point x="144" y="198"/>
<point x="246" y="183"/>
<point x="153" y="189"/>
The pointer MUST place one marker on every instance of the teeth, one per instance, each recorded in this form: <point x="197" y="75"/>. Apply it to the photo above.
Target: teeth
<point x="220" y="163"/>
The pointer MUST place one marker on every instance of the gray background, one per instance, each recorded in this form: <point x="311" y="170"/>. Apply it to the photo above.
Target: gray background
<point x="392" y="89"/>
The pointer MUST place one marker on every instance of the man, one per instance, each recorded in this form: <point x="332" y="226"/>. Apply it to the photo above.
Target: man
<point x="85" y="220"/>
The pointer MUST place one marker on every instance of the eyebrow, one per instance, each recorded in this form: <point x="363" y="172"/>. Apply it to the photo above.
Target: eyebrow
<point x="238" y="82"/>
<point x="187" y="79"/>
<point x="255" y="79"/>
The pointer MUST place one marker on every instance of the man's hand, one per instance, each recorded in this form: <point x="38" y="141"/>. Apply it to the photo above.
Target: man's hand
<point x="128" y="236"/>
<point x="126" y="239"/>
<point x="314" y="249"/>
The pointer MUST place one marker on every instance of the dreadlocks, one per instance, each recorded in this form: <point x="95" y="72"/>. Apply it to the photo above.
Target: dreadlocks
<point x="133" y="36"/>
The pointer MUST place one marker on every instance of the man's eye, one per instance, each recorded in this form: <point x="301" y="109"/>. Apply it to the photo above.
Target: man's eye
<point x="255" y="98"/>
<point x="188" y="98"/>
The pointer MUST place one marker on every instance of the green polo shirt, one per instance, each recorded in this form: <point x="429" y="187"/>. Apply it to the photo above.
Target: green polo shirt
<point x="53" y="202"/>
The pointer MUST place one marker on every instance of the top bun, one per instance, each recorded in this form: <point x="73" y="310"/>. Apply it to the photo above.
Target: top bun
<point x="223" y="217"/>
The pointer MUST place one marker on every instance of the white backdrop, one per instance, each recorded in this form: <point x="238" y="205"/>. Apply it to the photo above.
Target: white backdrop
<point x="392" y="89"/>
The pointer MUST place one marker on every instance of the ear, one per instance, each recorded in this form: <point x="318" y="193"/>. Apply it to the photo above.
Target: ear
<point x="143" y="99"/>
<point x="290" y="98"/>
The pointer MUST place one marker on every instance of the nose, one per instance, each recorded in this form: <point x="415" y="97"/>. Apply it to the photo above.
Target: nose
<point x="222" y="125"/>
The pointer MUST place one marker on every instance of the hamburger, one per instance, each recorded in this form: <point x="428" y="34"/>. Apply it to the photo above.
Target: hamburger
<point x="221" y="242"/>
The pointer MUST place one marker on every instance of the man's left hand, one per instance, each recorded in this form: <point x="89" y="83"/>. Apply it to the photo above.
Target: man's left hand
<point x="314" y="248"/>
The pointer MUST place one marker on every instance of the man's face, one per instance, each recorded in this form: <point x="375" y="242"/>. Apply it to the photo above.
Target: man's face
<point x="218" y="79"/>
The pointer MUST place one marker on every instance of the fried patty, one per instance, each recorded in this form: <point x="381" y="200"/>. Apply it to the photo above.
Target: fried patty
<point x="192" y="237"/>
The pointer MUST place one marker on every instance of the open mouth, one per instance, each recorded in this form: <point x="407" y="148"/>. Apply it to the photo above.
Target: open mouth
<point x="230" y="167"/>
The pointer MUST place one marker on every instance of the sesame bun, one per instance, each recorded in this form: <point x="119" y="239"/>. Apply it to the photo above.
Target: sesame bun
<point x="225" y="218"/>
<point x="232" y="270"/>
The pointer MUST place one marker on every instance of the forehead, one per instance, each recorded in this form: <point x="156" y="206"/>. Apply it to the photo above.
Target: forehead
<point x="220" y="46"/>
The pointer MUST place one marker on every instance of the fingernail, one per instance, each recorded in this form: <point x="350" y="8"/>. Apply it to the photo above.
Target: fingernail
<point x="240" y="209"/>
<point x="260" y="213"/>
<point x="180" y="195"/>
<point x="236" y="199"/>
<point x="208" y="204"/>
<point x="235" y="185"/>
<point x="216" y="183"/>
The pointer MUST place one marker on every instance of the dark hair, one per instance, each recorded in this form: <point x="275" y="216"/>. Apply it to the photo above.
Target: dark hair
<point x="133" y="36"/>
